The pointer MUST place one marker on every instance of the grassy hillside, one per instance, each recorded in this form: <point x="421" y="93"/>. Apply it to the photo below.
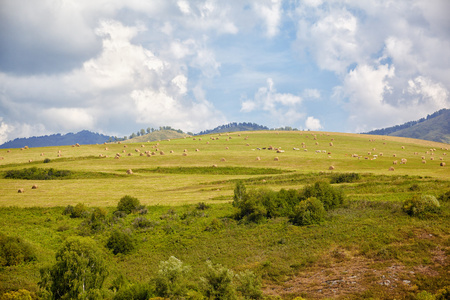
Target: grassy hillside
<point x="158" y="135"/>
<point x="435" y="129"/>
<point x="367" y="248"/>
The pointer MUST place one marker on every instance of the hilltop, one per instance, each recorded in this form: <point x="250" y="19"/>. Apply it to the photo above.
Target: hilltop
<point x="234" y="127"/>
<point x="157" y="135"/>
<point x="435" y="127"/>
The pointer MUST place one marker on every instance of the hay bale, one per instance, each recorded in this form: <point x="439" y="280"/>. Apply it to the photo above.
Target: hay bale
<point x="223" y="159"/>
<point x="34" y="187"/>
<point x="21" y="190"/>
<point x="394" y="162"/>
<point x="116" y="157"/>
<point x="171" y="151"/>
<point x="129" y="172"/>
<point x="403" y="147"/>
<point x="381" y="154"/>
<point x="247" y="145"/>
<point x="30" y="160"/>
<point x="258" y="158"/>
<point x="442" y="164"/>
<point x="42" y="154"/>
<point x="185" y="154"/>
<point x="142" y="146"/>
<point x="395" y="155"/>
<point x="391" y="169"/>
<point x="142" y="154"/>
<point x="214" y="166"/>
<point x="137" y="150"/>
<point x="185" y="150"/>
<point x="125" y="146"/>
<point x="129" y="154"/>
<point x="226" y="148"/>
<point x="317" y="143"/>
<point x="331" y="144"/>
<point x="431" y="158"/>
<point x="153" y="153"/>
<point x="106" y="149"/>
<point x="331" y="168"/>
<point x="124" y="151"/>
<point x="276" y="159"/>
<point x="161" y="152"/>
<point x="369" y="153"/>
<point x="197" y="150"/>
<point x="78" y="145"/>
<point x="424" y="161"/>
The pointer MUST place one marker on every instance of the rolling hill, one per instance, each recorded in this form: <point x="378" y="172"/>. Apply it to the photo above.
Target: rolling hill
<point x="84" y="137"/>
<point x="435" y="127"/>
<point x="157" y="135"/>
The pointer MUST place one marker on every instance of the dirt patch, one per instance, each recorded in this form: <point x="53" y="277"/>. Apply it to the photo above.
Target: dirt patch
<point x="344" y="276"/>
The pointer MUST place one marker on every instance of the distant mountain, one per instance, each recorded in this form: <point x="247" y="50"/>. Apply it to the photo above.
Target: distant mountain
<point x="435" y="127"/>
<point x="232" y="127"/>
<point x="157" y="135"/>
<point x="84" y="137"/>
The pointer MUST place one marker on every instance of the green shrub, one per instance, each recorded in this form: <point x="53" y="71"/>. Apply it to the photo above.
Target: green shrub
<point x="128" y="204"/>
<point x="47" y="160"/>
<point x="218" y="283"/>
<point x="14" y="251"/>
<point x="345" y="177"/>
<point x="79" y="272"/>
<point x="135" y="292"/>
<point x="421" y="206"/>
<point x="249" y="285"/>
<point x="171" y="281"/>
<point x="21" y="294"/>
<point x="68" y="210"/>
<point x="328" y="195"/>
<point x="120" y="242"/>
<point x="307" y="212"/>
<point x="79" y="211"/>
<point x="443" y="294"/>
<point x="202" y="206"/>
<point x="445" y="197"/>
<point x="142" y="223"/>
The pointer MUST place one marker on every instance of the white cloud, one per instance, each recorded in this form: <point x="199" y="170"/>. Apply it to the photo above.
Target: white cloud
<point x="271" y="14"/>
<point x="312" y="123"/>
<point x="311" y="94"/>
<point x="282" y="107"/>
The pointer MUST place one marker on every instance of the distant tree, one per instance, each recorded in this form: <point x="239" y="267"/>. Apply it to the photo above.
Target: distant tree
<point x="79" y="271"/>
<point x="149" y="130"/>
<point x="133" y="135"/>
<point x="142" y="132"/>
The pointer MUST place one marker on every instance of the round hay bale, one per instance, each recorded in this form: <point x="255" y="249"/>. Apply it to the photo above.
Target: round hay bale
<point x="369" y="153"/>
<point x="129" y="172"/>
<point x="331" y="168"/>
<point x="149" y="155"/>
<point x="424" y="161"/>
<point x="21" y="190"/>
<point x="30" y="160"/>
<point x="116" y="157"/>
<point x="431" y="158"/>
<point x="199" y="139"/>
<point x="395" y="155"/>
<point x="197" y="150"/>
<point x="42" y="154"/>
<point x="247" y="145"/>
<point x="137" y="150"/>
<point x="124" y="151"/>
<point x="207" y="143"/>
<point x="59" y="155"/>
<point x="331" y="144"/>
<point x="185" y="150"/>
<point x="171" y="151"/>
<point x="258" y="158"/>
<point x="142" y="154"/>
<point x="391" y="169"/>
<point x="423" y="157"/>
<point x="129" y="154"/>
<point x="226" y="148"/>
<point x="442" y="164"/>
<point x="223" y="159"/>
<point x="34" y="187"/>
<point x="403" y="147"/>
<point x="78" y="145"/>
<point x="317" y="143"/>
<point x="142" y="146"/>
<point x="125" y="146"/>
<point x="153" y="153"/>
<point x="381" y="154"/>
<point x="161" y="152"/>
<point x="185" y="154"/>
<point x="276" y="159"/>
<point x="214" y="166"/>
<point x="394" y="162"/>
<point x="106" y="149"/>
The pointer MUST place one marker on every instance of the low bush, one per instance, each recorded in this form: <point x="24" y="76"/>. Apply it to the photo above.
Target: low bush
<point x="120" y="242"/>
<point x="128" y="204"/>
<point x="14" y="251"/>
<point x="142" y="223"/>
<point x="445" y="197"/>
<point x="37" y="174"/>
<point x="421" y="206"/>
<point x="249" y="285"/>
<point x="172" y="279"/>
<point x="307" y="212"/>
<point x="345" y="178"/>
<point x="329" y="196"/>
<point x="134" y="291"/>
<point x="218" y="283"/>
<point x="79" y="211"/>
<point x="47" y="160"/>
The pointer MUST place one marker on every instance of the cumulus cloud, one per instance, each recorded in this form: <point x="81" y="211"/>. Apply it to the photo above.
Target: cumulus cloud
<point x="281" y="107"/>
<point x="312" y="123"/>
<point x="270" y="12"/>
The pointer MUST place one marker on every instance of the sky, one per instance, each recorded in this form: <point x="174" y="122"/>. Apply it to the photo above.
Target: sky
<point x="116" y="66"/>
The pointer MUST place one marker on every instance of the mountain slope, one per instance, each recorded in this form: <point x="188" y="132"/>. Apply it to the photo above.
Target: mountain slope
<point x="84" y="137"/>
<point x="436" y="127"/>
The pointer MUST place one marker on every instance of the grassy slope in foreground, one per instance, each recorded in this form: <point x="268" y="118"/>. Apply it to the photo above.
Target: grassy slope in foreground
<point x="232" y="150"/>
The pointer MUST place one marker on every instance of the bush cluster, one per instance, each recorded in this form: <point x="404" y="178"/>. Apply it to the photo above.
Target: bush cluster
<point x="421" y="205"/>
<point x="345" y="177"/>
<point x="306" y="206"/>
<point x="120" y="242"/>
<point x="128" y="204"/>
<point x="37" y="174"/>
<point x="14" y="251"/>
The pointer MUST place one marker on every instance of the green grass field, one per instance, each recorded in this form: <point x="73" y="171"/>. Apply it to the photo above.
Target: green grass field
<point x="369" y="248"/>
